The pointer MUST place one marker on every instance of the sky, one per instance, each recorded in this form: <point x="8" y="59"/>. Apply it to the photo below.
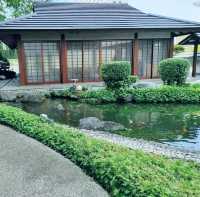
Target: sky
<point x="183" y="9"/>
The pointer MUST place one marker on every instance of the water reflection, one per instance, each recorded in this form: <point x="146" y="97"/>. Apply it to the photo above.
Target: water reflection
<point x="177" y="125"/>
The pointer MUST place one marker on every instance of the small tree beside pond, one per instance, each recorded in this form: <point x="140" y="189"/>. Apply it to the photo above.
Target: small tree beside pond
<point x="174" y="71"/>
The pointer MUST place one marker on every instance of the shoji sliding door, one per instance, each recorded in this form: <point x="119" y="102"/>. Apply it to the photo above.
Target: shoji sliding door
<point x="151" y="52"/>
<point x="42" y="62"/>
<point x="84" y="58"/>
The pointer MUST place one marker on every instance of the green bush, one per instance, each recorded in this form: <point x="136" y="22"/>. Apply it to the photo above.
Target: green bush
<point x="98" y="96"/>
<point x="122" y="172"/>
<point x="116" y="74"/>
<point x="179" y="49"/>
<point x="166" y="94"/>
<point x="174" y="70"/>
<point x="133" y="79"/>
<point x="92" y="97"/>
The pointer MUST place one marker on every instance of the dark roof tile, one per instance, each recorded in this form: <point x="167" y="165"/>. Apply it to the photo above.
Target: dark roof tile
<point x="93" y="16"/>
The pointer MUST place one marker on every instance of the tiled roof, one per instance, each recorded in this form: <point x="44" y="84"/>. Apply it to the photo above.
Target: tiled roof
<point x="93" y="16"/>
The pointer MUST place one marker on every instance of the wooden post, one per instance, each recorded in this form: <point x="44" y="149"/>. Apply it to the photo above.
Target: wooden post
<point x="194" y="65"/>
<point x="82" y="69"/>
<point x="135" y="55"/>
<point x="152" y="56"/>
<point x="21" y="60"/>
<point x="63" y="63"/>
<point x="171" y="47"/>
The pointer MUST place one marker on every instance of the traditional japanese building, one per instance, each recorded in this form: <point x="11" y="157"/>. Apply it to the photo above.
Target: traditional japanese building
<point x="59" y="42"/>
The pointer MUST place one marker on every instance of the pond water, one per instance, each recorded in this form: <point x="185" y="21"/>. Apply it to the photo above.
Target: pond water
<point x="176" y="125"/>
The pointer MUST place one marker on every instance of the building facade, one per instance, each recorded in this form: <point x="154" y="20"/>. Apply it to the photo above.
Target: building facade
<point x="61" y="42"/>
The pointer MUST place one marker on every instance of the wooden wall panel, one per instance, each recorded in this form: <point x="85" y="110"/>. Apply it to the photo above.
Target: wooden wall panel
<point x="63" y="58"/>
<point x="22" y="61"/>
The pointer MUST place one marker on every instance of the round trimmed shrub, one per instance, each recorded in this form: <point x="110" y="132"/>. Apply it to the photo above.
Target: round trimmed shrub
<point x="116" y="74"/>
<point x="174" y="70"/>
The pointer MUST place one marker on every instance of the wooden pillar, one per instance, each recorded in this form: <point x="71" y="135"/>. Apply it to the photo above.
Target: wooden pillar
<point x="171" y="47"/>
<point x="194" y="65"/>
<point x="135" y="55"/>
<point x="63" y="63"/>
<point x="22" y="62"/>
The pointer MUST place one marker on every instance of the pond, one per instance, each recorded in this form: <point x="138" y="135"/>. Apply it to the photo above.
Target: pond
<point x="176" y="125"/>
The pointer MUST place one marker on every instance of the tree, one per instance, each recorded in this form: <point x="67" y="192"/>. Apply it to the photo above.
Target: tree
<point x="2" y="11"/>
<point x="19" y="7"/>
<point x="16" y="7"/>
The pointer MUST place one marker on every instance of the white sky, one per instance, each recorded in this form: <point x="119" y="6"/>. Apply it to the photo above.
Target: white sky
<point x="183" y="9"/>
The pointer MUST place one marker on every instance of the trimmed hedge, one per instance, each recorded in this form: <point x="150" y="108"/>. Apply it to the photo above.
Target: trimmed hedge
<point x="116" y="74"/>
<point x="174" y="70"/>
<point x="163" y="94"/>
<point x="122" y="172"/>
<point x="93" y="97"/>
<point x="166" y="94"/>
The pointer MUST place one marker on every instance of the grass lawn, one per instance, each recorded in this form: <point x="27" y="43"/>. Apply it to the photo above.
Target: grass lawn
<point x="122" y="172"/>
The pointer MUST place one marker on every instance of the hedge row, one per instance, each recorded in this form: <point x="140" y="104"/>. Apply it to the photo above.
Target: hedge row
<point x="166" y="94"/>
<point x="93" y="97"/>
<point x="122" y="172"/>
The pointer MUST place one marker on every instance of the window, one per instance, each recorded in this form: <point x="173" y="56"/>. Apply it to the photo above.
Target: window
<point x="84" y="57"/>
<point x="90" y="61"/>
<point x="33" y="62"/>
<point x="151" y="52"/>
<point x="119" y="50"/>
<point x="74" y="60"/>
<point x="160" y="52"/>
<point x="42" y="62"/>
<point x="145" y="56"/>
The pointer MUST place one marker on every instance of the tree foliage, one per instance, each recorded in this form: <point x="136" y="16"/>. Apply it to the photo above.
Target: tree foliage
<point x="15" y="8"/>
<point x="19" y="7"/>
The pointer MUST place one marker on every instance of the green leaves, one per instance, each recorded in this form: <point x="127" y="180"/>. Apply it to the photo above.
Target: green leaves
<point x="167" y="94"/>
<point x="164" y="94"/>
<point x="122" y="172"/>
<point x="174" y="71"/>
<point x="116" y="74"/>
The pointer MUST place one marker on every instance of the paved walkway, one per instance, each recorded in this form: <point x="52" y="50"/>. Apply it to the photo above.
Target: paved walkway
<point x="30" y="169"/>
<point x="13" y="84"/>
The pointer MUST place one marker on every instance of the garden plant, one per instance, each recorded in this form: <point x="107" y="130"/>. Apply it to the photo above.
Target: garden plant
<point x="122" y="172"/>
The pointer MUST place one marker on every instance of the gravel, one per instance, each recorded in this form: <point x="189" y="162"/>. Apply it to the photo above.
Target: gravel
<point x="146" y="146"/>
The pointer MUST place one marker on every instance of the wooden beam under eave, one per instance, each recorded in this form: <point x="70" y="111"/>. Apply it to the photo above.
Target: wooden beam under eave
<point x="194" y="65"/>
<point x="63" y="59"/>
<point x="22" y="61"/>
<point x="171" y="47"/>
<point x="135" y="56"/>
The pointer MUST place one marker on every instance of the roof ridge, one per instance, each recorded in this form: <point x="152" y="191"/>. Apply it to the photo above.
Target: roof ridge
<point x="174" y="18"/>
<point x="46" y="4"/>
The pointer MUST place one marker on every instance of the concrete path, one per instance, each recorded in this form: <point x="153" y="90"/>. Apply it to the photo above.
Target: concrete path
<point x="30" y="169"/>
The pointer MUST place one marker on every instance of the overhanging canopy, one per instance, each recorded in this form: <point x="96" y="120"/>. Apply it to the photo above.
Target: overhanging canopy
<point x="191" y="39"/>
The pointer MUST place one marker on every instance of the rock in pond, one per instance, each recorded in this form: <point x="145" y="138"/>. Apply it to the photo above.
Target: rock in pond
<point x="146" y="85"/>
<point x="46" y="118"/>
<point x="112" y="126"/>
<point x="129" y="98"/>
<point x="30" y="97"/>
<point x="93" y="123"/>
<point x="60" y="107"/>
<point x="8" y="96"/>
